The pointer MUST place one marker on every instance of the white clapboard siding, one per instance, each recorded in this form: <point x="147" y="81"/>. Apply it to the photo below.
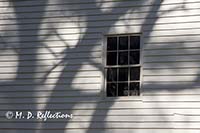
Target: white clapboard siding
<point x="98" y="131"/>
<point x="50" y="68"/>
<point x="51" y="58"/>
<point x="180" y="32"/>
<point x="48" y="94"/>
<point x="66" y="43"/>
<point x="166" y="46"/>
<point x="173" y="88"/>
<point x="58" y="98"/>
<point x="86" y="5"/>
<point x="175" y="64"/>
<point x="126" y="119"/>
<point x="50" y="87"/>
<point x="172" y="52"/>
<point x="92" y="106"/>
<point x="172" y="26"/>
<point x="83" y="125"/>
<point x="48" y="49"/>
<point x="124" y="112"/>
<point x="186" y="71"/>
<point x="32" y="2"/>
<point x="170" y="78"/>
<point x="54" y="75"/>
<point x="108" y="130"/>
<point x="100" y="24"/>
<point x="172" y="58"/>
<point x="81" y="80"/>
<point x="54" y="62"/>
<point x="52" y="37"/>
<point x="107" y="17"/>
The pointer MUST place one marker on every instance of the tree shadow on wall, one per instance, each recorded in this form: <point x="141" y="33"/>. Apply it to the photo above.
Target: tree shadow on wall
<point x="67" y="102"/>
<point x="25" y="81"/>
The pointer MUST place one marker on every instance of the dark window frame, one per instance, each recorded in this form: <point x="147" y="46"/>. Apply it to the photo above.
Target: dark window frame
<point x="128" y="66"/>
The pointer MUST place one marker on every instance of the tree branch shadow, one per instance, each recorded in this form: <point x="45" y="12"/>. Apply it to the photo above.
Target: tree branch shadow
<point x="69" y="106"/>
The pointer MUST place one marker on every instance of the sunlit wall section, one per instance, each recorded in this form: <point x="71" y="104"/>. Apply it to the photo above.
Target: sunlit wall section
<point x="52" y="55"/>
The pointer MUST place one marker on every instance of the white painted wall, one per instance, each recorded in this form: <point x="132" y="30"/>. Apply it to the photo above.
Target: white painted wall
<point x="51" y="59"/>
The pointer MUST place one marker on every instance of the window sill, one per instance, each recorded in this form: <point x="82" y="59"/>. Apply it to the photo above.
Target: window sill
<point x="121" y="99"/>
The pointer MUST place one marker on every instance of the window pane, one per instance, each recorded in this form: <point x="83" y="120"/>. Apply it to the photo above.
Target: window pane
<point x="112" y="74"/>
<point x="123" y="58"/>
<point x="111" y="89"/>
<point x="134" y="89"/>
<point x="112" y="43"/>
<point x="123" y="89"/>
<point x="135" y="73"/>
<point x="123" y="43"/>
<point x="134" y="57"/>
<point x="111" y="58"/>
<point x="123" y="74"/>
<point x="135" y="42"/>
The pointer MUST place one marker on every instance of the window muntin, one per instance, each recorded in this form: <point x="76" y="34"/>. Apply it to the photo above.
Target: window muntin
<point x="123" y="66"/>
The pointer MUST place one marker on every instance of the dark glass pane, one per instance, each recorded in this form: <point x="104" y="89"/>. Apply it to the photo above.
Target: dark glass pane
<point x="135" y="73"/>
<point x="123" y="58"/>
<point x="123" y="74"/>
<point x="123" y="89"/>
<point x="112" y="43"/>
<point x="111" y="58"/>
<point x="134" y="89"/>
<point x="135" y="42"/>
<point x="111" y="89"/>
<point x="112" y="74"/>
<point x="123" y="43"/>
<point x="134" y="57"/>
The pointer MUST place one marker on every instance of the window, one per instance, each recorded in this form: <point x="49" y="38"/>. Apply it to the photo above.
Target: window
<point x="122" y="68"/>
